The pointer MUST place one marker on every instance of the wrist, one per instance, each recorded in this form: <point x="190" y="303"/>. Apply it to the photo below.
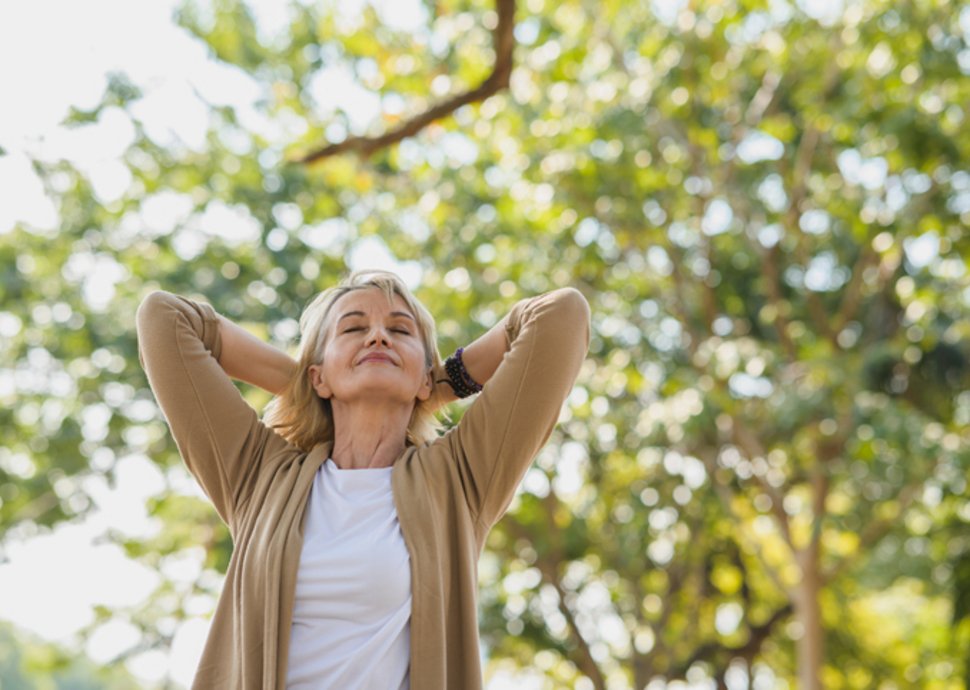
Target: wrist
<point x="458" y="378"/>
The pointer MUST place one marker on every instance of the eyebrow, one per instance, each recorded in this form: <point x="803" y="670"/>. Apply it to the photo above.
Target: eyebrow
<point x="360" y="313"/>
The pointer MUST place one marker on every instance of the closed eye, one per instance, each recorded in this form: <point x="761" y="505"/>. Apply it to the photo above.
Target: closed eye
<point x="403" y="331"/>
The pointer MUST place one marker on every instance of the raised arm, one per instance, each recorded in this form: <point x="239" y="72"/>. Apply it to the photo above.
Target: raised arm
<point x="219" y="436"/>
<point x="247" y="358"/>
<point x="543" y="341"/>
<point x="481" y="359"/>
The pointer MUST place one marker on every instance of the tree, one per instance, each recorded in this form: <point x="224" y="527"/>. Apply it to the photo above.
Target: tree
<point x="60" y="671"/>
<point x="767" y="449"/>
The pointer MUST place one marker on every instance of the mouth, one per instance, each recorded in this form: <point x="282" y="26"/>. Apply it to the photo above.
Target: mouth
<point x="375" y="358"/>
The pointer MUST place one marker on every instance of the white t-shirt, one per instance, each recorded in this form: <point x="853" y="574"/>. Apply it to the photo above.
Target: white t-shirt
<point x="352" y="613"/>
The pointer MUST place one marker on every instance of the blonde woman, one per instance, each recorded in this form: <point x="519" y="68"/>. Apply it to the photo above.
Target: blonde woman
<point x="356" y="527"/>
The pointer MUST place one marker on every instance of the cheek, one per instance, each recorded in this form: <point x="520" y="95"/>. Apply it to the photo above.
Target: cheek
<point x="418" y="357"/>
<point x="335" y="351"/>
<point x="330" y="363"/>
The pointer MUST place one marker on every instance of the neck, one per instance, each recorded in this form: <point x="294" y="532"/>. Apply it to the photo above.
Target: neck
<point x="368" y="435"/>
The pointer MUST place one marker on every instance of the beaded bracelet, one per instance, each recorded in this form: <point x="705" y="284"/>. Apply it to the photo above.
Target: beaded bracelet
<point x="460" y="380"/>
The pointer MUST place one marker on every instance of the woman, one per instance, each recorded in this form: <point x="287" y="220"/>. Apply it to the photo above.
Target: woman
<point x="357" y="528"/>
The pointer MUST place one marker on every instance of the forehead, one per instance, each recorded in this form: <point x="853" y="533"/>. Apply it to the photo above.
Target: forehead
<point x="371" y="301"/>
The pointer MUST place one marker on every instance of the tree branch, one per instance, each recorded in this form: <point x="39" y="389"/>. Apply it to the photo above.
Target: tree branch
<point x="586" y="663"/>
<point x="869" y="257"/>
<point x="762" y="99"/>
<point x="753" y="448"/>
<point x="724" y="494"/>
<point x="875" y="531"/>
<point x="645" y="663"/>
<point x="799" y="175"/>
<point x="820" y="492"/>
<point x="548" y="566"/>
<point x="853" y="292"/>
<point x="680" y="301"/>
<point x="826" y="451"/>
<point x="777" y="300"/>
<point x="503" y="41"/>
<point x="759" y="633"/>
<point x="801" y="169"/>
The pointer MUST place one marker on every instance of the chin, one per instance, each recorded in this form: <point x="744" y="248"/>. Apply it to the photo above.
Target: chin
<point x="377" y="391"/>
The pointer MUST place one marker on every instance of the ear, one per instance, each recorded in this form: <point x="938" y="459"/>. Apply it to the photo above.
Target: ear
<point x="427" y="385"/>
<point x="318" y="382"/>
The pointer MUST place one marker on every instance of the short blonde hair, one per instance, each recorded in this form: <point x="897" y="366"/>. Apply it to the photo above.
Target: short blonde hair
<point x="305" y="419"/>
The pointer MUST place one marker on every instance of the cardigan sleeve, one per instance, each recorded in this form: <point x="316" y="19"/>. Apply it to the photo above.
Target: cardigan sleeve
<point x="220" y="437"/>
<point x="503" y="430"/>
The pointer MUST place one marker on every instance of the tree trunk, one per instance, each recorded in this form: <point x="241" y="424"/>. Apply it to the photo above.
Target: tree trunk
<point x="808" y="612"/>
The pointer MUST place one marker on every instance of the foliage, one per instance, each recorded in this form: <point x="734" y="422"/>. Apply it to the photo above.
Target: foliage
<point x="31" y="665"/>
<point x="766" y="206"/>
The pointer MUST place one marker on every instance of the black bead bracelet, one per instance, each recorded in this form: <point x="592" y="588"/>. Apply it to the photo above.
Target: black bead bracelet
<point x="460" y="380"/>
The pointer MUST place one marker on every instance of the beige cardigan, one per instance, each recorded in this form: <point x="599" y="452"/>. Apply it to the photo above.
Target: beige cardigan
<point x="448" y="493"/>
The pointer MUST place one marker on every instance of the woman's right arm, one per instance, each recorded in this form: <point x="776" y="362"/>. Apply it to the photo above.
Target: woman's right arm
<point x="220" y="437"/>
<point x="247" y="358"/>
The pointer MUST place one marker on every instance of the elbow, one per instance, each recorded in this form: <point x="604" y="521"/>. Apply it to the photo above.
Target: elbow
<point x="573" y="301"/>
<point x="155" y="298"/>
<point x="156" y="313"/>
<point x="150" y="306"/>
<point x="573" y="308"/>
<point x="148" y="323"/>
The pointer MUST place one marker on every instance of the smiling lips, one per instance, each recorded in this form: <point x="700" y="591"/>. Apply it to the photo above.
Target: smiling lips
<point x="376" y="357"/>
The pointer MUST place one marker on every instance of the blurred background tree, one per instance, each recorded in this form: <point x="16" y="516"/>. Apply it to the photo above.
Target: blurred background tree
<point x="760" y="479"/>
<point x="26" y="664"/>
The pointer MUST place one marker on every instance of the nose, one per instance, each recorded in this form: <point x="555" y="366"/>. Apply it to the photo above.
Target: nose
<point x="378" y="334"/>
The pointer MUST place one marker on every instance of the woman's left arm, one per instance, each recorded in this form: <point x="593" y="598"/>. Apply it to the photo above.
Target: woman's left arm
<point x="528" y="364"/>
<point x="481" y="359"/>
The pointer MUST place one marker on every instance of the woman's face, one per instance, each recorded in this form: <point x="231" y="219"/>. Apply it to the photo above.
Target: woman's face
<point x="373" y="350"/>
